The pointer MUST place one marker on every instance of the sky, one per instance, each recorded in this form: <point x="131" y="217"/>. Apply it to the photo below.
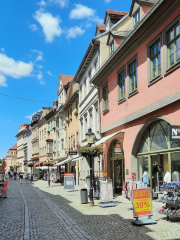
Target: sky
<point x="38" y="41"/>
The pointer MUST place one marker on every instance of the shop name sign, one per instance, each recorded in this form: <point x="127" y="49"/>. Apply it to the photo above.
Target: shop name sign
<point x="72" y="152"/>
<point x="142" y="202"/>
<point x="174" y="133"/>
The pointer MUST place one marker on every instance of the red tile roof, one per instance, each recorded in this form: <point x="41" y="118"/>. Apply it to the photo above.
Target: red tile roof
<point x="66" y="78"/>
<point x="116" y="12"/>
<point x="101" y="27"/>
<point x="14" y="147"/>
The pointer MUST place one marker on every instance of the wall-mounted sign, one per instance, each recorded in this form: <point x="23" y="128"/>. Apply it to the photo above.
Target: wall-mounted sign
<point x="142" y="202"/>
<point x="133" y="175"/>
<point x="174" y="133"/>
<point x="69" y="181"/>
<point x="72" y="152"/>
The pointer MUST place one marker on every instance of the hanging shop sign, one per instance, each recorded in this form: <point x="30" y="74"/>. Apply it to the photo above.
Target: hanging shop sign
<point x="142" y="205"/>
<point x="72" y="152"/>
<point x="174" y="133"/>
<point x="117" y="148"/>
<point x="69" y="181"/>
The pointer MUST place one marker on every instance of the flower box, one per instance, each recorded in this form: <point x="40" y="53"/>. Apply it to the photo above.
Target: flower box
<point x="75" y="113"/>
<point x="71" y="148"/>
<point x="90" y="151"/>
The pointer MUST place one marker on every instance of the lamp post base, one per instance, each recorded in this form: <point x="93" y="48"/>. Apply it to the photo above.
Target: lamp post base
<point x="91" y="203"/>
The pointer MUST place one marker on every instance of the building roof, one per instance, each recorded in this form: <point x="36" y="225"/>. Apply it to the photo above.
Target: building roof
<point x="66" y="78"/>
<point x="116" y="12"/>
<point x="101" y="27"/>
<point x="14" y="147"/>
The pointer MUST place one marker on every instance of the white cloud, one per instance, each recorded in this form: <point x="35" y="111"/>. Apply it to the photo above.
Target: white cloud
<point x="40" y="66"/>
<point x="3" y="81"/>
<point x="29" y="117"/>
<point x="42" y="3"/>
<point x="40" y="54"/>
<point x="39" y="76"/>
<point x="73" y="32"/>
<point x="12" y="68"/>
<point x="107" y="1"/>
<point x="49" y="73"/>
<point x="49" y="24"/>
<point x="9" y="120"/>
<point x="61" y="3"/>
<point x="33" y="27"/>
<point x="42" y="83"/>
<point x="80" y="11"/>
<point x="2" y="49"/>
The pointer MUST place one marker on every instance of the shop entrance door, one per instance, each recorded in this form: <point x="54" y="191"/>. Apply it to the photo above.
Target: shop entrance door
<point x="159" y="166"/>
<point x="117" y="175"/>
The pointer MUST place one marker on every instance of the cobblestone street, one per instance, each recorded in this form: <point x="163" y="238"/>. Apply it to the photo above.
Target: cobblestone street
<point x="37" y="212"/>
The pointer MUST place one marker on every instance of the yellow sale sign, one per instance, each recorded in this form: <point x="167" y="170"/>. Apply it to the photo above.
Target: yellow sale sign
<point x="142" y="202"/>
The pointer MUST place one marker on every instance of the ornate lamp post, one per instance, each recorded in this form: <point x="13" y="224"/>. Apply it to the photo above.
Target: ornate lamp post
<point x="31" y="166"/>
<point x="90" y="138"/>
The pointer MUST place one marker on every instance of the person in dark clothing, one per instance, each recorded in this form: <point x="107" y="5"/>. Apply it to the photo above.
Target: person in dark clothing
<point x="14" y="175"/>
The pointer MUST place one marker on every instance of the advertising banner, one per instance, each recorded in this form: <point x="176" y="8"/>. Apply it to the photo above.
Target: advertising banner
<point x="69" y="181"/>
<point x="142" y="205"/>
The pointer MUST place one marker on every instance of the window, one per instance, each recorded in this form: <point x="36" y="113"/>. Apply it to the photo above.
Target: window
<point x="95" y="65"/>
<point x="173" y="46"/>
<point x="62" y="144"/>
<point x="137" y="17"/>
<point x="105" y="97"/>
<point x="82" y="132"/>
<point x="156" y="60"/>
<point x="86" y="127"/>
<point x="84" y="88"/>
<point x="91" y="121"/>
<point x="121" y="84"/>
<point x="80" y="95"/>
<point x="111" y="48"/>
<point x="132" y="76"/>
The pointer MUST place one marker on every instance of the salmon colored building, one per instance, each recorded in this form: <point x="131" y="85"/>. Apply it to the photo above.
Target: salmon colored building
<point x="11" y="158"/>
<point x="139" y="91"/>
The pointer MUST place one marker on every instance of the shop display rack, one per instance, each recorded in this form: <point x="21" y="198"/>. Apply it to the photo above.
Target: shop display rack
<point x="171" y="199"/>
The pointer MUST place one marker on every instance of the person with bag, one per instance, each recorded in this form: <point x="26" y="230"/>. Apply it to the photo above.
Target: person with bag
<point x="20" y="177"/>
<point x="14" y="175"/>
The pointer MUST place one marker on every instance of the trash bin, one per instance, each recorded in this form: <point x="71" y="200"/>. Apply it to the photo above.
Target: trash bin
<point x="83" y="194"/>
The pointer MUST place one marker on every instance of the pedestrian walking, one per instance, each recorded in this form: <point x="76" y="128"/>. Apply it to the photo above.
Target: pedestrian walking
<point x="27" y="177"/>
<point x="20" y="177"/>
<point x="14" y="175"/>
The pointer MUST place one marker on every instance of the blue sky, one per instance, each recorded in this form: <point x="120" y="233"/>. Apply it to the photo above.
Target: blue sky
<point x="39" y="41"/>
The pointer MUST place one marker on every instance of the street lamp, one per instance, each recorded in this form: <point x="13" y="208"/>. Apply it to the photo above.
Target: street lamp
<point x="90" y="138"/>
<point x="48" y="155"/>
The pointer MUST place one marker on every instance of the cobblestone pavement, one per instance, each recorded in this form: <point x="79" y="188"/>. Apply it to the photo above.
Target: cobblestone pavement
<point x="37" y="212"/>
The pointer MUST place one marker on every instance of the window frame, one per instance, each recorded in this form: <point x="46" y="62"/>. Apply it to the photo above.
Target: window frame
<point x="168" y="69"/>
<point x="111" y="43"/>
<point x="135" y="14"/>
<point x="103" y="87"/>
<point x="135" y="58"/>
<point x="149" y="46"/>
<point x="123" y="69"/>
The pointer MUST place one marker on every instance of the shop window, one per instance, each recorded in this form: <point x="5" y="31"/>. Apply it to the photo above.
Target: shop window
<point x="143" y="168"/>
<point x="105" y="97"/>
<point x="144" y="143"/>
<point x="175" y="166"/>
<point x="158" y="137"/>
<point x="121" y="84"/>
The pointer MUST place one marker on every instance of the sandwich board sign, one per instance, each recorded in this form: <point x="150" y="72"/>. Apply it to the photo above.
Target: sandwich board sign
<point x="142" y="206"/>
<point x="69" y="181"/>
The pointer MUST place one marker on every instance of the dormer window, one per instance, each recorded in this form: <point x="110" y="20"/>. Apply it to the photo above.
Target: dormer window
<point x="137" y="17"/>
<point x="111" y="48"/>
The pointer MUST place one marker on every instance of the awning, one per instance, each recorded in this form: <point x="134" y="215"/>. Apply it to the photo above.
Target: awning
<point x="78" y="158"/>
<point x="38" y="163"/>
<point x="104" y="139"/>
<point x="45" y="167"/>
<point x="67" y="160"/>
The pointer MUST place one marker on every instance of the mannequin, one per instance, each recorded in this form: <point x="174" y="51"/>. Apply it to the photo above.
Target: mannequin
<point x="167" y="177"/>
<point x="145" y="178"/>
<point x="176" y="176"/>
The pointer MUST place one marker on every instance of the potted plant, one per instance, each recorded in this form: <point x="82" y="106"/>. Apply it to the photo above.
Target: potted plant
<point x="93" y="151"/>
<point x="70" y="118"/>
<point x="49" y="163"/>
<point x="77" y="145"/>
<point x="76" y="113"/>
<point x="71" y="148"/>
